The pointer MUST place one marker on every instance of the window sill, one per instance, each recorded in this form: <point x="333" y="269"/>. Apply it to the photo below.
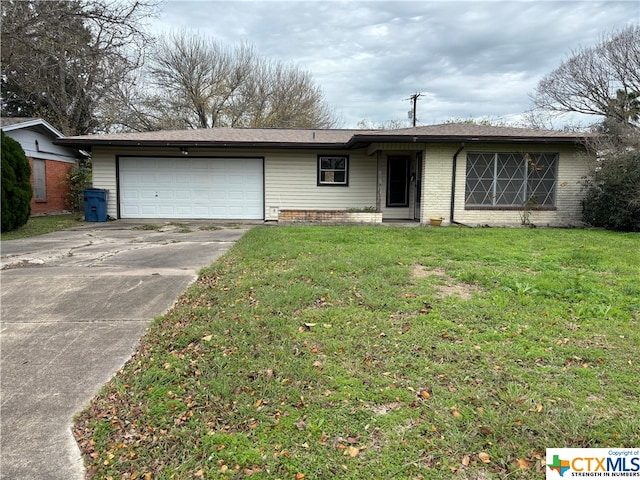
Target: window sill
<point x="514" y="209"/>
<point x="40" y="200"/>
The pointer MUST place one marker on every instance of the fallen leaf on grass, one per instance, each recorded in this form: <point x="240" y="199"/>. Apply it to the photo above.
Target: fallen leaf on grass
<point x="465" y="460"/>
<point x="425" y="394"/>
<point x="524" y="464"/>
<point x="352" y="451"/>
<point x="484" y="457"/>
<point x="207" y="338"/>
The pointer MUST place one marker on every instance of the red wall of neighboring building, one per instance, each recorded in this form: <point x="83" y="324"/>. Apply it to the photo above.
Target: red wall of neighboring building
<point x="56" y="189"/>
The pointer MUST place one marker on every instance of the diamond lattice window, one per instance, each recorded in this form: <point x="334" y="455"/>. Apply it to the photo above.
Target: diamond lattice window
<point x="511" y="179"/>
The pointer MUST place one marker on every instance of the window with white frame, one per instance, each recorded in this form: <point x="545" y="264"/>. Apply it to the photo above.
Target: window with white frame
<point x="509" y="180"/>
<point x="333" y="170"/>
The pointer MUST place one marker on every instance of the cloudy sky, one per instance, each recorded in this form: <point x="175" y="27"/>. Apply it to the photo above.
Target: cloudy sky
<point x="468" y="59"/>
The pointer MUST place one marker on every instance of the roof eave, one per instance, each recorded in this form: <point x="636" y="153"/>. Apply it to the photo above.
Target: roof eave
<point x="34" y="123"/>
<point x="359" y="140"/>
<point x="83" y="143"/>
<point x="356" y="141"/>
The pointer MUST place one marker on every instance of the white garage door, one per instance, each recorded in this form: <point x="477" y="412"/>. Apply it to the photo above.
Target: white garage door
<point x="215" y="188"/>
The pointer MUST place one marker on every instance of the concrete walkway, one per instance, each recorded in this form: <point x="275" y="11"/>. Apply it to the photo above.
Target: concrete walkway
<point x="74" y="306"/>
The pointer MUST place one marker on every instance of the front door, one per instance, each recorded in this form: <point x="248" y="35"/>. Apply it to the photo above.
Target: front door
<point x="398" y="180"/>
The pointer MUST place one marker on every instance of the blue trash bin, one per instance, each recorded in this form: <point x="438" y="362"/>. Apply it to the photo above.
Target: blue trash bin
<point x="95" y="205"/>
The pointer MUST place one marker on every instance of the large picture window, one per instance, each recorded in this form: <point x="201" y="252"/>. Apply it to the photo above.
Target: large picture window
<point x="511" y="179"/>
<point x="333" y="170"/>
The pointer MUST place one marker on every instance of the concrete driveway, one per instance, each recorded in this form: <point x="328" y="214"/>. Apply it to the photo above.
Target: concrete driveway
<point x="74" y="306"/>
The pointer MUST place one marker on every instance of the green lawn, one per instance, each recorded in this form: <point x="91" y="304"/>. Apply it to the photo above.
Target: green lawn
<point x="382" y="352"/>
<point x="44" y="224"/>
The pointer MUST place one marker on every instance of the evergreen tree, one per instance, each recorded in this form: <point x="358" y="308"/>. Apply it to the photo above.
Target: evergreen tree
<point x="16" y="185"/>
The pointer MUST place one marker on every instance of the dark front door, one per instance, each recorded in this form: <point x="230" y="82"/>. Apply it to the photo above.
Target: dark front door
<point x="398" y="180"/>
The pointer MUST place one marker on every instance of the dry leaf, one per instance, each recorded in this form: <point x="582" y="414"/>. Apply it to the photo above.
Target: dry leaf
<point x="465" y="460"/>
<point x="539" y="407"/>
<point x="199" y="473"/>
<point x="484" y="457"/>
<point x="352" y="451"/>
<point x="299" y="476"/>
<point x="207" y="338"/>
<point x="524" y="464"/>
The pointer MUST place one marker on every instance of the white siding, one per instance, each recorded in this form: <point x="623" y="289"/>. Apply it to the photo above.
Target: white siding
<point x="291" y="183"/>
<point x="103" y="166"/>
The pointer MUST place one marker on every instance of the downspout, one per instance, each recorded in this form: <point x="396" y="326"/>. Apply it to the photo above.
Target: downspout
<point x="453" y="186"/>
<point x="378" y="193"/>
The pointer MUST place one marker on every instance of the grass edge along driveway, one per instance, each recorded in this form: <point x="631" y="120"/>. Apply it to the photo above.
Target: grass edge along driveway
<point x="382" y="352"/>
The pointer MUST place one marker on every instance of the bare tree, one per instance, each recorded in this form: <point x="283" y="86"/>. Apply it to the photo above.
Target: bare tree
<point x="600" y="80"/>
<point x="195" y="82"/>
<point x="64" y="60"/>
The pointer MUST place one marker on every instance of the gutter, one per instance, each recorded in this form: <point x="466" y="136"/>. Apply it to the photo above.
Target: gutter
<point x="365" y="139"/>
<point x="84" y="143"/>
<point x="453" y="186"/>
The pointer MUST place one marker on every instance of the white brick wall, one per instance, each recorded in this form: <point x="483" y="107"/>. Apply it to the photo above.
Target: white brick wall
<point x="573" y="166"/>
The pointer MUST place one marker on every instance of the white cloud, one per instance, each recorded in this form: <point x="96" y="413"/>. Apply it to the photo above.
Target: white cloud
<point x="468" y="58"/>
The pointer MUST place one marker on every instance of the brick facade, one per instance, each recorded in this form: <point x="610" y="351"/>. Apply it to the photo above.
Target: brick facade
<point x="56" y="190"/>
<point x="328" y="216"/>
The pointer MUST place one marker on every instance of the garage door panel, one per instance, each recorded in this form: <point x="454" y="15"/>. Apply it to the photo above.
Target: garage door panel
<point x="191" y="188"/>
<point x="182" y="195"/>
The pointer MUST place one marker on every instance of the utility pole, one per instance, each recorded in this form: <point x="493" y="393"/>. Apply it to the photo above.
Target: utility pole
<point x="414" y="99"/>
